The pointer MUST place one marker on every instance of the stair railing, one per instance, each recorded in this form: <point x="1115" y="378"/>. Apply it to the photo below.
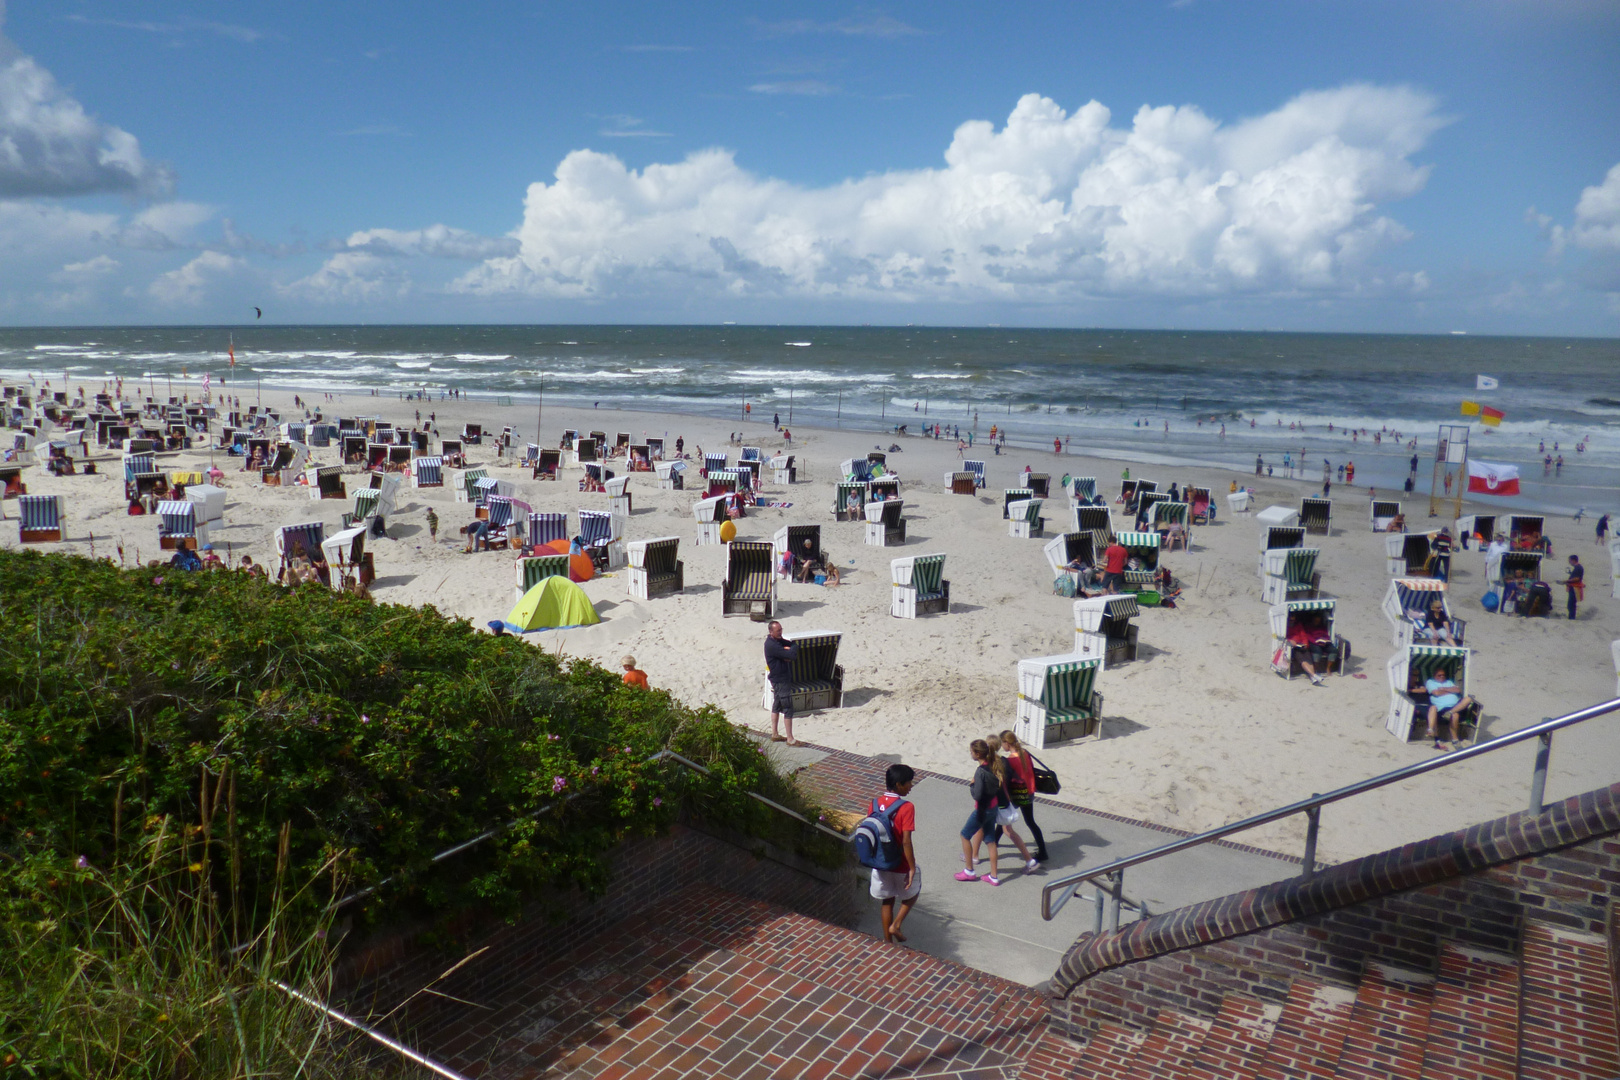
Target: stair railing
<point x="1112" y="875"/>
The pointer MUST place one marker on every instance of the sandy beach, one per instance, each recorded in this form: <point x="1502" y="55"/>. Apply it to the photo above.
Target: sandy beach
<point x="1197" y="732"/>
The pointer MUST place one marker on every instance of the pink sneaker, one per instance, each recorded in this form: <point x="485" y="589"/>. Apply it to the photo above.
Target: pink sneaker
<point x="968" y="875"/>
<point x="991" y="879"/>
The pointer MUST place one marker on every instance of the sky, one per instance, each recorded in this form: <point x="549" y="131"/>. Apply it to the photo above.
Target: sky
<point x="1369" y="167"/>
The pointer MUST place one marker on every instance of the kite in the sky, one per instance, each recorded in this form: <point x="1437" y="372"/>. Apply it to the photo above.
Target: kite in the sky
<point x="257" y="313"/>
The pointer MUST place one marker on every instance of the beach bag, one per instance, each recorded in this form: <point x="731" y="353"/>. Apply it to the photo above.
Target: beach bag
<point x="1046" y="781"/>
<point x="876" y="844"/>
<point x="1007" y="816"/>
<point x="1063" y="585"/>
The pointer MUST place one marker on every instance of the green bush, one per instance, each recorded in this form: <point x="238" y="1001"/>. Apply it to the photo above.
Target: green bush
<point x="134" y="702"/>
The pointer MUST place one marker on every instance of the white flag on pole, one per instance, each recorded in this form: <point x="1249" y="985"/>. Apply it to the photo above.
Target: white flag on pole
<point x="1485" y="382"/>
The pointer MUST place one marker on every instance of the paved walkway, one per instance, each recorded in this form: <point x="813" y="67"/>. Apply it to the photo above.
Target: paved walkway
<point x="1000" y="929"/>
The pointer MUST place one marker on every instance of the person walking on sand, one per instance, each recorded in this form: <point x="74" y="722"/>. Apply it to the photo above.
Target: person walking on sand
<point x="779" y="656"/>
<point x="1575" y="583"/>
<point x="1602" y="529"/>
<point x="899" y="888"/>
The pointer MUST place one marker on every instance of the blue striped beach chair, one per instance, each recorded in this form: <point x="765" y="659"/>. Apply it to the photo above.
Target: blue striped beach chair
<point x="919" y="587"/>
<point x="603" y="533"/>
<point x="428" y="472"/>
<point x="1083" y="488"/>
<point x="713" y="463"/>
<point x="1058" y="700"/>
<point x="544" y="528"/>
<point x="292" y="540"/>
<point x="750" y="585"/>
<point x="1406" y="603"/>
<point x="976" y="468"/>
<point x="40" y="518"/>
<point x="177" y="525"/>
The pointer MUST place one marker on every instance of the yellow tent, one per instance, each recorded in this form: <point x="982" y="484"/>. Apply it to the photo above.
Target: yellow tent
<point x="554" y="603"/>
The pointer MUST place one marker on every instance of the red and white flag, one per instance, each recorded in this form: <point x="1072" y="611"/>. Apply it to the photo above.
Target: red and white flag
<point x="1485" y="478"/>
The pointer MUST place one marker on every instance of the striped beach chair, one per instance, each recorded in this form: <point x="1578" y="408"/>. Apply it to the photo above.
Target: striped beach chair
<point x="816" y="681"/>
<point x="849" y="501"/>
<point x="670" y="474"/>
<point x="40" y="518"/>
<point x="1041" y="484"/>
<point x="1275" y="537"/>
<point x="1504" y="568"/>
<point x="1407" y="601"/>
<point x="919" y="587"/>
<point x="1147" y="500"/>
<point x="1409" y="669"/>
<point x="1069" y="547"/>
<point x="710" y="514"/>
<point x="789" y="547"/>
<point x="1284" y="618"/>
<point x="428" y="472"/>
<point x="713" y="463"/>
<point x="1096" y="520"/>
<point x="961" y="483"/>
<point x="365" y="506"/>
<point x="1144" y="547"/>
<point x="977" y="469"/>
<point x="533" y="569"/>
<point x="466" y="484"/>
<point x="655" y="567"/>
<point x="1381" y="512"/>
<point x="1057" y="700"/>
<point x="544" y="528"/>
<point x="1291" y="574"/>
<point x="749" y="453"/>
<point x="1012" y="495"/>
<point x="1025" y="520"/>
<point x="884" y="487"/>
<point x="292" y="540"/>
<point x="506" y="517"/>
<point x="784" y="470"/>
<point x="724" y="482"/>
<point x="177" y="526"/>
<point x="1103" y="629"/>
<point x="1316" y="515"/>
<point x="603" y="533"/>
<point x="1174" y="519"/>
<point x="884" y="525"/>
<point x="750" y="585"/>
<point x="1083" y="488"/>
<point x="546" y="463"/>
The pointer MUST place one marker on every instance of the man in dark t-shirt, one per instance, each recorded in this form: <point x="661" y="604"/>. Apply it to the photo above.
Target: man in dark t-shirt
<point x="1575" y="583"/>
<point x="779" y="663"/>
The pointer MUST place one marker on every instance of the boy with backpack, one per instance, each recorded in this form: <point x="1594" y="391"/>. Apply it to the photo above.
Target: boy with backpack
<point x="883" y="843"/>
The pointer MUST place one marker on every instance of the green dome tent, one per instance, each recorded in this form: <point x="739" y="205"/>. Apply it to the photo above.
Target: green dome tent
<point x="552" y="604"/>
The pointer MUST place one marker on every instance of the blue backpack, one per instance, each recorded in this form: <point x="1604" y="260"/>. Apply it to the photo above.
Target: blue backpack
<point x="876" y="844"/>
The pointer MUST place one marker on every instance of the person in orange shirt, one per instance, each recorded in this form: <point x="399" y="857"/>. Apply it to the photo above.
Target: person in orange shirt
<point x="634" y="676"/>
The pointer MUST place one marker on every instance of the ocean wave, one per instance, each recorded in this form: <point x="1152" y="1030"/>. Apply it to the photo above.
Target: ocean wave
<point x="657" y="370"/>
<point x="798" y="375"/>
<point x="799" y="344"/>
<point x="938" y="375"/>
<point x="60" y="348"/>
<point x="479" y="358"/>
<point x="413" y="365"/>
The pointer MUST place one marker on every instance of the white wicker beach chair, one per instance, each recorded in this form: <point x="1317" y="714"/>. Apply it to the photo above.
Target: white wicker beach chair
<point x="919" y="586"/>
<point x="1103" y="629"/>
<point x="1057" y="700"/>
<point x="655" y="567"/>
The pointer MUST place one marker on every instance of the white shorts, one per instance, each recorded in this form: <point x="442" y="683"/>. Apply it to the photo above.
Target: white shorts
<point x="891" y="885"/>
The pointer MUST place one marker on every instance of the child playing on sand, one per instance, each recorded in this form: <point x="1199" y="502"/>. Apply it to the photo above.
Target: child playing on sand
<point x="634" y="676"/>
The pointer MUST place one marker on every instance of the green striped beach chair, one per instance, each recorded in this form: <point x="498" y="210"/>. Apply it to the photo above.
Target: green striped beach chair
<point x="1024" y="519"/>
<point x="655" y="567"/>
<point x="1408" y="669"/>
<point x="849" y="501"/>
<point x="1175" y="520"/>
<point x="817" y="680"/>
<point x="750" y="586"/>
<point x="1316" y="515"/>
<point x="1083" y="488"/>
<point x="1103" y="629"/>
<point x="1285" y="617"/>
<point x="534" y="569"/>
<point x="884" y="525"/>
<point x="1012" y="495"/>
<point x="1057" y="700"/>
<point x="1291" y="575"/>
<point x="920" y="587"/>
<point x="467" y="484"/>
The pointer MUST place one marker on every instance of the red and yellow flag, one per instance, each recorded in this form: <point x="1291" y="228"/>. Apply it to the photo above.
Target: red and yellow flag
<point x="1489" y="416"/>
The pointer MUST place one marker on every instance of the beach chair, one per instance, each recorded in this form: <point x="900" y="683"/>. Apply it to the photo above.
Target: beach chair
<point x="353" y="447"/>
<point x="377" y="455"/>
<point x="749" y="453"/>
<point x="1083" y="488"/>
<point x="293" y="540"/>
<point x="713" y="463"/>
<point x="387" y="487"/>
<point x="1407" y="554"/>
<point x="1041" y="484"/>
<point x="1316" y="515"/>
<point x="1103" y="629"/>
<point x="884" y="525"/>
<point x="655" y="567"/>
<point x="639" y="458"/>
<point x="618" y="494"/>
<point x="876" y="457"/>
<point x="728" y="482"/>
<point x="748" y="474"/>
<point x="750" y="585"/>
<point x="655" y="449"/>
<point x="1143" y="487"/>
<point x="533" y="569"/>
<point x="884" y="487"/>
<point x="1285" y="516"/>
<point x="1012" y="495"/>
<point x="1057" y="701"/>
<point x="1478" y="527"/>
<point x="325" y="482"/>
<point x="209" y="502"/>
<point x="1238" y="501"/>
<point x="855" y="470"/>
<point x="1127" y="494"/>
<point x="961" y="483"/>
<point x="1525" y="532"/>
<point x="1069" y="547"/>
<point x="177" y="526"/>
<point x="1173" y="519"/>
<point x="544" y="528"/>
<point x="817" y="680"/>
<point x="507" y="518"/>
<point x="11" y="482"/>
<point x="710" y="514"/>
<point x="40" y="518"/>
<point x="1274" y="537"/>
<point x="399" y="458"/>
<point x="1200" y="503"/>
<point x="789" y="541"/>
<point x="669" y="474"/>
<point x="1504" y="568"/>
<point x="347" y="560"/>
<point x="603" y="533"/>
<point x="1096" y="520"/>
<point x="1285" y="657"/>
<point x="1291" y="574"/>
<point x="598" y="471"/>
<point x="465" y="484"/>
<point x="584" y="452"/>
<point x="427" y="472"/>
<point x="1381" y="512"/>
<point x="546" y="463"/>
<point x="452" y="452"/>
<point x="976" y="468"/>
<point x="472" y="434"/>
<point x="1025" y="521"/>
<point x="601" y="440"/>
<point x="849" y="501"/>
<point x="919" y="587"/>
<point x="1407" y="601"/>
<point x="1146" y="501"/>
<point x="1409" y="669"/>
<point x="784" y="470"/>
<point x="621" y="442"/>
<point x="1144" y="548"/>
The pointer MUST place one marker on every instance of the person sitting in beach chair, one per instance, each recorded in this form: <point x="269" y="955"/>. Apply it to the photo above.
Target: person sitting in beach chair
<point x="1434" y="628"/>
<point x="1311" y="636"/>
<point x="1448" y="702"/>
<point x="812" y="562"/>
<point x="1397" y="524"/>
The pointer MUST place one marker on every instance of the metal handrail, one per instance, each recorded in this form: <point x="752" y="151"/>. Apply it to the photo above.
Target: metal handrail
<point x="1312" y="807"/>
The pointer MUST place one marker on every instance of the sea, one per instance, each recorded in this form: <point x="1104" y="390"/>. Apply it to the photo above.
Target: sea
<point x="1156" y="397"/>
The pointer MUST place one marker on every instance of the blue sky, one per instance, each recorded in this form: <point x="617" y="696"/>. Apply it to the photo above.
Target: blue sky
<point x="1376" y="166"/>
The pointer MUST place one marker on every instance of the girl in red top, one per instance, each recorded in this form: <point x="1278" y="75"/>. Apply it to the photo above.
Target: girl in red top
<point x="1021" y="786"/>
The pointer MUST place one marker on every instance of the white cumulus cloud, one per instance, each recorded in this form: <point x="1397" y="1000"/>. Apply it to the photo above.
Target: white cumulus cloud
<point x="50" y="146"/>
<point x="1052" y="206"/>
<point x="435" y="241"/>
<point x="1597" y="215"/>
<point x="352" y="277"/>
<point x="191" y="283"/>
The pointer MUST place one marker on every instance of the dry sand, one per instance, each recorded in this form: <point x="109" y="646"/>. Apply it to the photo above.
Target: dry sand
<point x="1197" y="732"/>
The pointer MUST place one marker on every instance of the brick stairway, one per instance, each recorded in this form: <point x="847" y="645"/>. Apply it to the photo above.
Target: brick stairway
<point x="1468" y="1023"/>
